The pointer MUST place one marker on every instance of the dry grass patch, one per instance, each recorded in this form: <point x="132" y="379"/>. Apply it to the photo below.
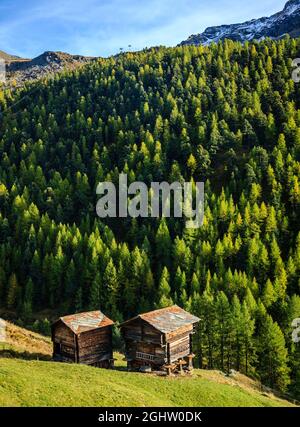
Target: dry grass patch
<point x="27" y="341"/>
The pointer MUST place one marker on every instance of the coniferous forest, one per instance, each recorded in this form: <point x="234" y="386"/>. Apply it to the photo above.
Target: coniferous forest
<point x="229" y="115"/>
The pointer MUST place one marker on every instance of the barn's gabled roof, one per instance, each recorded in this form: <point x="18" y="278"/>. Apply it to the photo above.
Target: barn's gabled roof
<point x="167" y="319"/>
<point x="82" y="322"/>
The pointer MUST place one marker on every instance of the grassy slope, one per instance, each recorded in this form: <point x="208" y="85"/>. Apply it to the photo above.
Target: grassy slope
<point x="43" y="383"/>
<point x="24" y="343"/>
<point x="36" y="383"/>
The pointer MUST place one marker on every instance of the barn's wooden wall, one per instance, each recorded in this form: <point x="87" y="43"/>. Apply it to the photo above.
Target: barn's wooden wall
<point x="90" y="347"/>
<point x="179" y="343"/>
<point x="95" y="346"/>
<point x="62" y="335"/>
<point x="138" y="330"/>
<point x="145" y="345"/>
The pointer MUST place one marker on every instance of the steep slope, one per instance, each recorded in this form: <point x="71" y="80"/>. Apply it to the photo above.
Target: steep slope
<point x="276" y="26"/>
<point x="229" y="115"/>
<point x="19" y="341"/>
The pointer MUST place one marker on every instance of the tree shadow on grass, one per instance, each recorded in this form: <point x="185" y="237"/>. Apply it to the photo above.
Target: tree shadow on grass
<point x="11" y="353"/>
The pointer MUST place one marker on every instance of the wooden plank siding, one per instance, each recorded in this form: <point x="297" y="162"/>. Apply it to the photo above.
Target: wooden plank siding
<point x="65" y="347"/>
<point x="179" y="348"/>
<point x="143" y="344"/>
<point x="91" y="347"/>
<point x="140" y="331"/>
<point x="95" y="346"/>
<point x="175" y="335"/>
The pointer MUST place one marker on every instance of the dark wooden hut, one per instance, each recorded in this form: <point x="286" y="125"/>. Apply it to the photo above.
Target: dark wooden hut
<point x="160" y="338"/>
<point x="83" y="338"/>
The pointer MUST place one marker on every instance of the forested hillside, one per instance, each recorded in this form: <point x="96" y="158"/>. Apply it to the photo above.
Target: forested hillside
<point x="228" y="114"/>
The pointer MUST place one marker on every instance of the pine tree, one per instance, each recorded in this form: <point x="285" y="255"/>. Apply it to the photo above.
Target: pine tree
<point x="110" y="284"/>
<point x="247" y="333"/>
<point x="28" y="300"/>
<point x="96" y="293"/>
<point x="163" y="245"/>
<point x="224" y="330"/>
<point x="164" y="290"/>
<point x="208" y="317"/>
<point x="78" y="300"/>
<point x="272" y="355"/>
<point x="269" y="295"/>
<point x="13" y="292"/>
<point x="237" y="333"/>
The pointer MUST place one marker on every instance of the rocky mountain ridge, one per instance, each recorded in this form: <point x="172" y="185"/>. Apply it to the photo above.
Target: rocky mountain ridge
<point x="20" y="70"/>
<point x="276" y="26"/>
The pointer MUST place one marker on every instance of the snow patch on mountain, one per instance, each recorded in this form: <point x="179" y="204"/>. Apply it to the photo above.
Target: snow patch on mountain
<point x="276" y="26"/>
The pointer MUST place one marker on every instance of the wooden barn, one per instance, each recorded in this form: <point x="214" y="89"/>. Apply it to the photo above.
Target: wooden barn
<point x="83" y="338"/>
<point x="159" y="339"/>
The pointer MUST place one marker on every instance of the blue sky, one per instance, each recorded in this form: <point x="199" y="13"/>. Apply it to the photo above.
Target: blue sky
<point x="101" y="27"/>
